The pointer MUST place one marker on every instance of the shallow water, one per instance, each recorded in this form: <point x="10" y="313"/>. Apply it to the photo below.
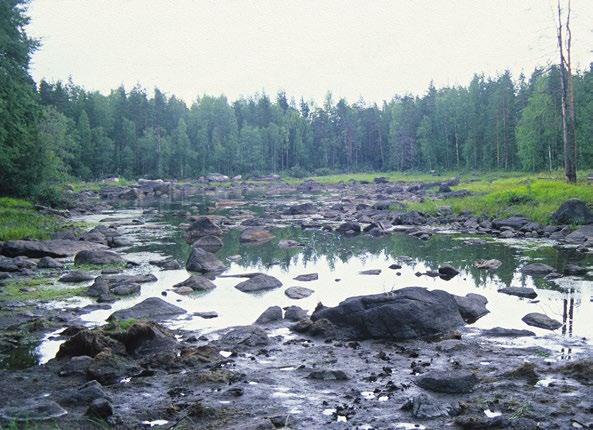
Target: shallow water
<point x="339" y="260"/>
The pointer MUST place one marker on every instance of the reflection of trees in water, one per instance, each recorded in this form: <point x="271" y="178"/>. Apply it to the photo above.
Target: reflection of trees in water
<point x="568" y="305"/>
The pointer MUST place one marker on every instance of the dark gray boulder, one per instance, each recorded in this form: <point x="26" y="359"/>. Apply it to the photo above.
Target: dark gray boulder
<point x="573" y="211"/>
<point x="77" y="276"/>
<point x="514" y="222"/>
<point x="536" y="319"/>
<point x="197" y="283"/>
<point x="258" y="283"/>
<point x="100" y="408"/>
<point x="244" y="337"/>
<point x="408" y="313"/>
<point x="99" y="257"/>
<point x="202" y="226"/>
<point x="301" y="209"/>
<point x="307" y="277"/>
<point x="507" y="332"/>
<point x="295" y="313"/>
<point x="448" y="272"/>
<point x="209" y="243"/>
<point x="423" y="406"/>
<point x="527" y="293"/>
<point x="273" y="313"/>
<point x="203" y="261"/>
<point x="153" y="308"/>
<point x="472" y="307"/>
<point x="49" y="263"/>
<point x="56" y="248"/>
<point x="298" y="293"/>
<point x="328" y="375"/>
<point x="582" y="234"/>
<point x="537" y="269"/>
<point x="449" y="381"/>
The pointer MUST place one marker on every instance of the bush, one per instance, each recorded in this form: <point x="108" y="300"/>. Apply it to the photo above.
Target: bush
<point x="298" y="172"/>
<point x="53" y="196"/>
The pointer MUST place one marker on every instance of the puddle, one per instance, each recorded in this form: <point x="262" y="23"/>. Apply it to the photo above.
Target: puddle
<point x="492" y="414"/>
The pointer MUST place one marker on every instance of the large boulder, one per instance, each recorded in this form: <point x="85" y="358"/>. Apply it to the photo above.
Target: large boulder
<point x="273" y="313"/>
<point x="153" y="308"/>
<point x="472" y="307"/>
<point x="573" y="211"/>
<point x="408" y="313"/>
<point x="209" y="243"/>
<point x="202" y="226"/>
<point x="258" y="283"/>
<point x="99" y="257"/>
<point x="537" y="269"/>
<point x="56" y="248"/>
<point x="145" y="337"/>
<point x="203" y="261"/>
<point x="255" y="235"/>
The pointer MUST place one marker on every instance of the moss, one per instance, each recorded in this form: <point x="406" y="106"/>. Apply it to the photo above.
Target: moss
<point x="37" y="289"/>
<point x="20" y="222"/>
<point x="121" y="325"/>
<point x="90" y="267"/>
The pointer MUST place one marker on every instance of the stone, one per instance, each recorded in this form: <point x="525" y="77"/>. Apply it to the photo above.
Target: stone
<point x="507" y="332"/>
<point x="301" y="209"/>
<point x="450" y="381"/>
<point x="32" y="410"/>
<point x="99" y="257"/>
<point x="166" y="264"/>
<point x="255" y="235"/>
<point x="407" y="313"/>
<point x="273" y="313"/>
<point x="295" y="313"/>
<point x="146" y="337"/>
<point x="395" y="266"/>
<point x="424" y="406"/>
<point x="100" y="408"/>
<point x="202" y="226"/>
<point x="448" y="272"/>
<point x="209" y="243"/>
<point x="307" y="277"/>
<point x="183" y="290"/>
<point x="488" y="264"/>
<point x="472" y="307"/>
<point x="196" y="283"/>
<point x="85" y="342"/>
<point x="56" y="248"/>
<point x="108" y="369"/>
<point x="536" y="319"/>
<point x="258" y="283"/>
<point x="206" y="314"/>
<point x="582" y="234"/>
<point x="575" y="270"/>
<point x="573" y="211"/>
<point x="298" y="293"/>
<point x="537" y="269"/>
<point x="49" y="263"/>
<point x="527" y="293"/>
<point x="328" y="375"/>
<point x="77" y="276"/>
<point x="371" y="272"/>
<point x="153" y="308"/>
<point x="349" y="228"/>
<point x="203" y="261"/>
<point x="514" y="222"/>
<point x="245" y="336"/>
<point x="288" y="243"/>
<point x="125" y="289"/>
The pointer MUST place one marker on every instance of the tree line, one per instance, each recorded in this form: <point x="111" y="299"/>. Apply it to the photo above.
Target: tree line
<point x="54" y="131"/>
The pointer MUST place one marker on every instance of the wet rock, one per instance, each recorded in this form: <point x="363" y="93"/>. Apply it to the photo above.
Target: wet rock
<point x="488" y="264"/>
<point x="525" y="371"/>
<point x="209" y="243"/>
<point x="125" y="289"/>
<point x="297" y="293"/>
<point x="258" y="283"/>
<point x="85" y="342"/>
<point x="255" y="235"/>
<point x="77" y="276"/>
<point x="56" y="248"/>
<point x="328" y="375"/>
<point x="119" y="242"/>
<point x="575" y="270"/>
<point x="301" y="209"/>
<point x="507" y="332"/>
<point x="483" y="422"/>
<point x="202" y="226"/>
<point x="99" y="257"/>
<point x="32" y="410"/>
<point x="8" y="265"/>
<point x="472" y="307"/>
<point x="582" y="234"/>
<point x="573" y="211"/>
<point x="145" y="337"/>
<point x="407" y="313"/>
<point x="108" y="368"/>
<point x="167" y="264"/>
<point x="448" y="272"/>
<point x="349" y="228"/>
<point x="206" y="315"/>
<point x="203" y="261"/>
<point x="307" y="277"/>
<point x="371" y="272"/>
<point x="395" y="266"/>
<point x="153" y="308"/>
<point x="196" y="283"/>
<point x="294" y="313"/>
<point x="100" y="408"/>
<point x="287" y="243"/>
<point x="580" y="370"/>
<point x="527" y="293"/>
<point x="537" y="269"/>
<point x="514" y="222"/>
<point x="245" y="336"/>
<point x="424" y="406"/>
<point x="273" y="313"/>
<point x="541" y="320"/>
<point x="49" y="263"/>
<point x="83" y="395"/>
<point x="450" y="381"/>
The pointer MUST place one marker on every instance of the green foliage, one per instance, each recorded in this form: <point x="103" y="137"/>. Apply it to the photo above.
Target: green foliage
<point x="37" y="289"/>
<point x="18" y="220"/>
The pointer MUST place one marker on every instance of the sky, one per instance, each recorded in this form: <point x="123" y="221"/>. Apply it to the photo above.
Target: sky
<point x="363" y="49"/>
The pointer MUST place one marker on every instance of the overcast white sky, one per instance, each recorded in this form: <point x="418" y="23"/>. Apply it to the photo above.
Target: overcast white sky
<point x="370" y="49"/>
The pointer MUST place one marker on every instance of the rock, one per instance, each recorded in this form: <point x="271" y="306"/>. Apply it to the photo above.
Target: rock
<point x="273" y="313"/>
<point x="153" y="308"/>
<point x="108" y="369"/>
<point x="298" y="292"/>
<point x="167" y="264"/>
<point x="207" y="314"/>
<point x="488" y="264"/>
<point x="507" y="332"/>
<point x="294" y="313"/>
<point x="85" y="342"/>
<point x="328" y="375"/>
<point x="450" y="381"/>
<point x="203" y="261"/>
<point x="537" y="269"/>
<point x="514" y="222"/>
<point x="407" y="313"/>
<point x="307" y="277"/>
<point x="574" y="270"/>
<point x="288" y="243"/>
<point x="349" y="228"/>
<point x="582" y="234"/>
<point x="541" y="320"/>
<point x="423" y="406"/>
<point x="209" y="243"/>
<point x="77" y="276"/>
<point x="245" y="336"/>
<point x="202" y="226"/>
<point x="395" y="266"/>
<point x="525" y="371"/>
<point x="8" y="265"/>
<point x="84" y="394"/>
<point x="448" y="272"/>
<point x="258" y="283"/>
<point x="573" y="211"/>
<point x="119" y="242"/>
<point x="301" y="209"/>
<point x="183" y="290"/>
<point x="196" y="283"/>
<point x="100" y="408"/>
<point x="370" y="272"/>
<point x="125" y="289"/>
<point x="472" y="307"/>
<point x="49" y="263"/>
<point x="255" y="235"/>
<point x="99" y="257"/>
<point x="145" y="337"/>
<point x="527" y="293"/>
<point x="32" y="410"/>
<point x="56" y="248"/>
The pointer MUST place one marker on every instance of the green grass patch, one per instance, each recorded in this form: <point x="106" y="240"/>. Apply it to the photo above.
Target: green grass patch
<point x="121" y="325"/>
<point x="18" y="220"/>
<point x="534" y="196"/>
<point x="37" y="289"/>
<point x="90" y="267"/>
<point x="79" y="186"/>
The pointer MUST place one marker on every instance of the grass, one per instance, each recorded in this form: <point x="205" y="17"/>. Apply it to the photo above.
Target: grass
<point x="535" y="196"/>
<point x="36" y="289"/>
<point x="90" y="267"/>
<point x="19" y="220"/>
<point x="79" y="186"/>
<point x="121" y="325"/>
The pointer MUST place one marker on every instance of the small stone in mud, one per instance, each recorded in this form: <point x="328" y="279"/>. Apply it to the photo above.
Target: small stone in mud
<point x="307" y="277"/>
<point x="450" y="381"/>
<point x="536" y="319"/>
<point x="371" y="272"/>
<point x="328" y="375"/>
<point x="298" y="292"/>
<point x="528" y="293"/>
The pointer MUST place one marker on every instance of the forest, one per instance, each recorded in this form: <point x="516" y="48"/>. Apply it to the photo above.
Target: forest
<point x="56" y="131"/>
